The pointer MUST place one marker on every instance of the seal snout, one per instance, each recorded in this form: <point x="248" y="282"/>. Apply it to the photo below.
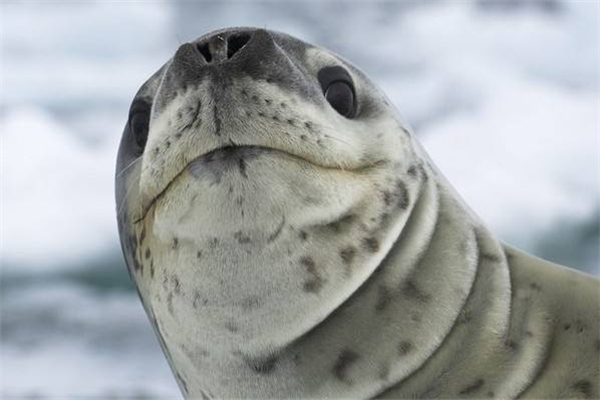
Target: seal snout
<point x="222" y="46"/>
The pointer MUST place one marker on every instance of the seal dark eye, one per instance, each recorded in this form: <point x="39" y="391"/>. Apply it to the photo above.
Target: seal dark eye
<point x="339" y="94"/>
<point x="139" y="121"/>
<point x="338" y="89"/>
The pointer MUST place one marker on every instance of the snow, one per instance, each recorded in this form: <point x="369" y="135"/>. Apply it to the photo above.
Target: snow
<point x="57" y="192"/>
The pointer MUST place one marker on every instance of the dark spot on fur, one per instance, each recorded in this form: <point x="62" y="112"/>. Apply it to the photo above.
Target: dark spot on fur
<point x="241" y="238"/>
<point x="199" y="254"/>
<point x="175" y="244"/>
<point x="197" y="300"/>
<point x="303" y="235"/>
<point x="584" y="387"/>
<point x="340" y="369"/>
<point x="404" y="348"/>
<point x="384" y="372"/>
<point x="387" y="197"/>
<point x="250" y="303"/>
<point x="412" y="171"/>
<point x="291" y="122"/>
<point x="410" y="289"/>
<point x="567" y="326"/>
<point x="151" y="268"/>
<point x="242" y="167"/>
<point x="231" y="327"/>
<point x="255" y="98"/>
<point x="580" y="326"/>
<point x="535" y="286"/>
<point x="262" y="366"/>
<point x="283" y="105"/>
<point x="314" y="284"/>
<point x="384" y="298"/>
<point x="267" y="101"/>
<point x="512" y="345"/>
<point x="472" y="388"/>
<point x="402" y="193"/>
<point x="136" y="264"/>
<point x="133" y="243"/>
<point x="170" y="303"/>
<point x="371" y="244"/>
<point x="303" y="137"/>
<point x="143" y="234"/>
<point x="147" y="254"/>
<point x="347" y="254"/>
<point x="384" y="219"/>
<point x="340" y="224"/>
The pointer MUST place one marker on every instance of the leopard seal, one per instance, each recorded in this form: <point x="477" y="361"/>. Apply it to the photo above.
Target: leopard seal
<point x="290" y="238"/>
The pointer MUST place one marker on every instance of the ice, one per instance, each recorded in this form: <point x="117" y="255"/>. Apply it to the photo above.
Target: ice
<point x="57" y="193"/>
<point x="524" y="160"/>
<point x="78" y="52"/>
<point x="68" y="342"/>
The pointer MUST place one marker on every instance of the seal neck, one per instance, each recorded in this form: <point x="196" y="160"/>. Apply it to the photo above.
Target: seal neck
<point x="470" y="328"/>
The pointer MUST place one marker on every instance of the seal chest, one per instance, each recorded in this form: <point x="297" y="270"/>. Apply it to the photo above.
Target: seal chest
<point x="289" y="238"/>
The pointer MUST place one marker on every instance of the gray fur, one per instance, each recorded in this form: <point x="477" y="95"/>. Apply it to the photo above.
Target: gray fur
<point x="281" y="250"/>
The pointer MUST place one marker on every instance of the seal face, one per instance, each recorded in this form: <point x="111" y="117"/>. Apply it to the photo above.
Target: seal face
<point x="289" y="238"/>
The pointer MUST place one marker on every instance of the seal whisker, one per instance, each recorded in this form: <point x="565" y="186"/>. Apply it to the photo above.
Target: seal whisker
<point x="127" y="193"/>
<point x="130" y="165"/>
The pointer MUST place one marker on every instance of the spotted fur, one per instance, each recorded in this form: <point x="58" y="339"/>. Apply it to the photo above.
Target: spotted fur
<point x="282" y="250"/>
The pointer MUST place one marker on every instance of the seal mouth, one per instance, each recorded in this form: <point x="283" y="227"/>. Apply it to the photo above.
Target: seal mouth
<point x="233" y="154"/>
<point x="237" y="155"/>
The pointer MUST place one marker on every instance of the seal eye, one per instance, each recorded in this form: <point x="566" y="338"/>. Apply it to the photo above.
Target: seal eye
<point x="341" y="97"/>
<point x="139" y="121"/>
<point x="338" y="89"/>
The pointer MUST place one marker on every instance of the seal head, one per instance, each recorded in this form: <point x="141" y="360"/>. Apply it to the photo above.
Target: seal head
<point x="259" y="181"/>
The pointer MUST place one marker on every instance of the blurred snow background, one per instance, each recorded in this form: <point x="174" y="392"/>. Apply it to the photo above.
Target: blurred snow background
<point x="504" y="96"/>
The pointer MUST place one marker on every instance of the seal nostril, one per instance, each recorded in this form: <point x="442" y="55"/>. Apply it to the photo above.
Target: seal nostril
<point x="203" y="49"/>
<point x="236" y="42"/>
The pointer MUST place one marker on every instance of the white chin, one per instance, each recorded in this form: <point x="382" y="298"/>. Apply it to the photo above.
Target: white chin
<point x="225" y="197"/>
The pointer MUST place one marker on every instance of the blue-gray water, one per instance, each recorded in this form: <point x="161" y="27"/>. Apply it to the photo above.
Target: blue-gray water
<point x="504" y="96"/>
